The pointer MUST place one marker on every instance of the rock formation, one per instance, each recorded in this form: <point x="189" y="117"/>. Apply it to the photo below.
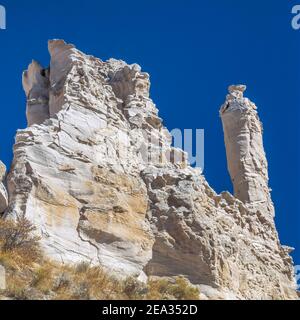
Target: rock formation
<point x="3" y="192"/>
<point x="247" y="163"/>
<point x="96" y="173"/>
<point x="36" y="86"/>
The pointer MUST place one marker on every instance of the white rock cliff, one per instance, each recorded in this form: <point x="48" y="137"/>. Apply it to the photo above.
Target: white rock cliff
<point x="83" y="174"/>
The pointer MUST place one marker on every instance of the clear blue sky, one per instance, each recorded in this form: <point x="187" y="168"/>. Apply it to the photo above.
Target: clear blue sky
<point x="193" y="50"/>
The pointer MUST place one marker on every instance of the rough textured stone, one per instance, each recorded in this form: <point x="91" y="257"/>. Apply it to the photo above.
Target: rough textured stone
<point x="2" y="278"/>
<point x="83" y="174"/>
<point x="3" y="192"/>
<point x="214" y="240"/>
<point x="2" y="171"/>
<point x="247" y="163"/>
<point x="36" y="87"/>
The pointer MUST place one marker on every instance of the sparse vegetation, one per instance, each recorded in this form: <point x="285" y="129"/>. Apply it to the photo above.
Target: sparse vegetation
<point x="172" y="289"/>
<point x="32" y="277"/>
<point x="18" y="237"/>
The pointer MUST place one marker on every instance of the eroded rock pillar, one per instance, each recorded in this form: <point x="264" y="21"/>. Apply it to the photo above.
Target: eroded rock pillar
<point x="247" y="163"/>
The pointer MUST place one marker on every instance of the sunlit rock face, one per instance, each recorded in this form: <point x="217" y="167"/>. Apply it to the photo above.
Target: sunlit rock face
<point x="83" y="174"/>
<point x="247" y="163"/>
<point x="3" y="192"/>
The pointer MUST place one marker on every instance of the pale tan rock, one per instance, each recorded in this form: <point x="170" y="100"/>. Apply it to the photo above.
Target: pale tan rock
<point x="2" y="171"/>
<point x="247" y="163"/>
<point x="214" y="240"/>
<point x="79" y="180"/>
<point x="3" y="192"/>
<point x="36" y="86"/>
<point x="84" y="177"/>
<point x="2" y="278"/>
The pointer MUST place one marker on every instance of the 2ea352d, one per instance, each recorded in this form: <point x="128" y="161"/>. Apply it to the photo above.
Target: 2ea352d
<point x="171" y="309"/>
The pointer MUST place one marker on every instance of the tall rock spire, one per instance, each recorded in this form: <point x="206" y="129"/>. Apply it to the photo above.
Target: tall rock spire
<point x="247" y="163"/>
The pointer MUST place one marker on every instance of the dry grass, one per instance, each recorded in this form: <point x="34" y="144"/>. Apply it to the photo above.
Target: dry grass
<point x="172" y="289"/>
<point x="18" y="237"/>
<point x="32" y="277"/>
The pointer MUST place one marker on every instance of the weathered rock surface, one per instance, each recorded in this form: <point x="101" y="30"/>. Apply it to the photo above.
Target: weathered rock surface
<point x="96" y="173"/>
<point x="2" y="279"/>
<point x="36" y="87"/>
<point x="247" y="163"/>
<point x="3" y="192"/>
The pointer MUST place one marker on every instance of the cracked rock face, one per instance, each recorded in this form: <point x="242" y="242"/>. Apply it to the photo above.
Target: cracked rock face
<point x="83" y="174"/>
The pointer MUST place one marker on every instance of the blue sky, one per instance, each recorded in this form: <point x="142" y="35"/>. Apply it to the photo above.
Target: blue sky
<point x="193" y="50"/>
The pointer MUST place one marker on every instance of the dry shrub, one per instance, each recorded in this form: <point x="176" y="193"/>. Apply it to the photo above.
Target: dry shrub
<point x="82" y="267"/>
<point x="42" y="277"/>
<point x="84" y="282"/>
<point x="97" y="284"/>
<point x="134" y="289"/>
<point x="166" y="289"/>
<point x="18" y="237"/>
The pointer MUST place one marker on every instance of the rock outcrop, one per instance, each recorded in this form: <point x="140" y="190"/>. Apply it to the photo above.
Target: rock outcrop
<point x="96" y="173"/>
<point x="247" y="163"/>
<point x="36" y="87"/>
<point x="3" y="192"/>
